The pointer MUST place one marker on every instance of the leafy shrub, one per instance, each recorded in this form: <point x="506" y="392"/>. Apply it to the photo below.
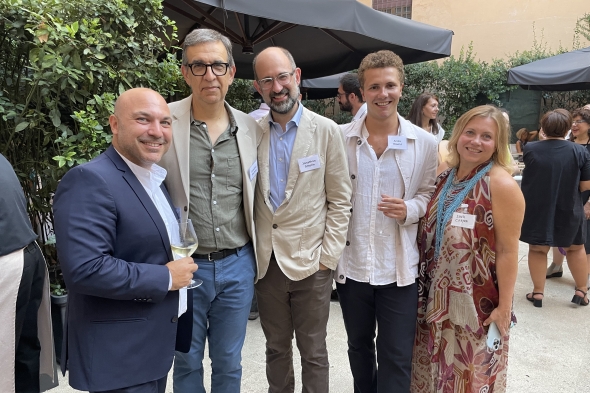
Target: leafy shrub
<point x="62" y="65"/>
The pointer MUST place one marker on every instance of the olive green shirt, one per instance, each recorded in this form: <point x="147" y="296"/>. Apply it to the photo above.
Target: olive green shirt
<point x="216" y="205"/>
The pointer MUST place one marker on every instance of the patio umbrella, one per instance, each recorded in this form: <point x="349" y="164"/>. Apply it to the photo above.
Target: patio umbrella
<point x="325" y="36"/>
<point x="568" y="71"/>
<point x="324" y="87"/>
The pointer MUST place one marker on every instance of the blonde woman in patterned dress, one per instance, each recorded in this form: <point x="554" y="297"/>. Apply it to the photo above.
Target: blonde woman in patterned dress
<point x="468" y="270"/>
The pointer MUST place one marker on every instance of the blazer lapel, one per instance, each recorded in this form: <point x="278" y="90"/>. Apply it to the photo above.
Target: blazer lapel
<point x="244" y="137"/>
<point x="263" y="162"/>
<point x="301" y="146"/>
<point x="143" y="197"/>
<point x="182" y="142"/>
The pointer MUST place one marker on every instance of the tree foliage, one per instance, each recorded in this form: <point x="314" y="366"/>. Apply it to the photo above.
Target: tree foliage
<point x="62" y="65"/>
<point x="582" y="30"/>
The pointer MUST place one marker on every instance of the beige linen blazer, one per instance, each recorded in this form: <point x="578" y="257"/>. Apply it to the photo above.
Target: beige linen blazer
<point x="176" y="160"/>
<point x="310" y="225"/>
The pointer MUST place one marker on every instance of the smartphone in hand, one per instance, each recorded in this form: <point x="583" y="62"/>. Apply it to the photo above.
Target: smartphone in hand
<point x="494" y="337"/>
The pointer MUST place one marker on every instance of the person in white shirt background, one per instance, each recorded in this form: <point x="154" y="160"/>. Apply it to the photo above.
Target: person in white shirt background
<point x="392" y="164"/>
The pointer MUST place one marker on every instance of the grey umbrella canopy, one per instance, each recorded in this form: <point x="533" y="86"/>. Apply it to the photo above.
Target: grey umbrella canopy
<point x="324" y="87"/>
<point x="325" y="36"/>
<point x="568" y="71"/>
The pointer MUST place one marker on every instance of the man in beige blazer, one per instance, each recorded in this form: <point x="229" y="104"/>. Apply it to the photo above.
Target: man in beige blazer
<point x="302" y="208"/>
<point x="212" y="170"/>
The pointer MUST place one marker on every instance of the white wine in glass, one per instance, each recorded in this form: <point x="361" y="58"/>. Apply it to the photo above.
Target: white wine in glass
<point x="185" y="244"/>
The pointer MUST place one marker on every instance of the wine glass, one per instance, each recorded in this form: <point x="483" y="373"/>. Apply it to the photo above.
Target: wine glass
<point x="184" y="243"/>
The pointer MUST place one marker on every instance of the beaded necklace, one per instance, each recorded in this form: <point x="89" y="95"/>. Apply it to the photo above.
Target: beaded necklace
<point x="444" y="211"/>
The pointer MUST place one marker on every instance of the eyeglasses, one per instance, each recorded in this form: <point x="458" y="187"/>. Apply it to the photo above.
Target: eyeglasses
<point x="579" y="121"/>
<point x="283" y="78"/>
<point x="200" y="69"/>
<point x="340" y="94"/>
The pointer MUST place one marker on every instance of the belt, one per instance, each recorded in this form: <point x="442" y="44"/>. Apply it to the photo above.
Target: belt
<point x="214" y="256"/>
<point x="31" y="246"/>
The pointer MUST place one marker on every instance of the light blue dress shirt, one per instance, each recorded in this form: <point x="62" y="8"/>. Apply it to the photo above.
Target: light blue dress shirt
<point x="281" y="146"/>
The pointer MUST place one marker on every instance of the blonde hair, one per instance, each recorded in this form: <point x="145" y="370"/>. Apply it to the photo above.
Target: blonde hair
<point x="501" y="156"/>
<point x="522" y="133"/>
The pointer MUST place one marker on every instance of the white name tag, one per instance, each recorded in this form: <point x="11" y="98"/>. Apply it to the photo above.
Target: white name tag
<point x="253" y="170"/>
<point x="309" y="163"/>
<point x="463" y="220"/>
<point x="398" y="142"/>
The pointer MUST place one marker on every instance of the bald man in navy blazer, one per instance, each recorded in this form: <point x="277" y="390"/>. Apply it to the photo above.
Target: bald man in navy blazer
<point x="113" y="220"/>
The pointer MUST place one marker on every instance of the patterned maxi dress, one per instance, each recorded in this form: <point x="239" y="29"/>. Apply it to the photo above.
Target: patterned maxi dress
<point x="458" y="290"/>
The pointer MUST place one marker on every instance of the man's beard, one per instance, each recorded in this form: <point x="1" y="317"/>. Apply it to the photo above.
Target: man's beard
<point x="284" y="106"/>
<point x="346" y="107"/>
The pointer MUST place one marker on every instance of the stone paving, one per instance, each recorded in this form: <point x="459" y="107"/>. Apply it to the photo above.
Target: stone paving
<point x="549" y="347"/>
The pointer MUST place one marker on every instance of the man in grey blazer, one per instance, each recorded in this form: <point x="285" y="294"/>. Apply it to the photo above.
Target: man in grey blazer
<point x="302" y="208"/>
<point x="212" y="168"/>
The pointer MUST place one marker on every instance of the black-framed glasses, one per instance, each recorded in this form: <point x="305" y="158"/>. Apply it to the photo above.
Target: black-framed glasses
<point x="338" y="94"/>
<point x="200" y="69"/>
<point x="579" y="121"/>
<point x="284" y="78"/>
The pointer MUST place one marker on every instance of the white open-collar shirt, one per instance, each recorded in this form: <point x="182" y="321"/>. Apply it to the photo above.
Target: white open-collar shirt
<point x="151" y="180"/>
<point x="371" y="258"/>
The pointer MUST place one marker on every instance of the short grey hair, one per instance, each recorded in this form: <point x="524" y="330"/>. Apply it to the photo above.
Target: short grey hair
<point x="201" y="36"/>
<point x="285" y="52"/>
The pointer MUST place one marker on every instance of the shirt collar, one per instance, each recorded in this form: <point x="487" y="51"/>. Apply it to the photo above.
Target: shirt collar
<point x="233" y="126"/>
<point x="295" y="119"/>
<point x="404" y="128"/>
<point x="149" y="178"/>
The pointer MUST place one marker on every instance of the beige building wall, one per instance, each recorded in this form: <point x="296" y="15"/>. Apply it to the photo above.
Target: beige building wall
<point x="499" y="28"/>
<point x="368" y="3"/>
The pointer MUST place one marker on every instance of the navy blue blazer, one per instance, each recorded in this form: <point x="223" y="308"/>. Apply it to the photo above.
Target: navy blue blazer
<point x="112" y="245"/>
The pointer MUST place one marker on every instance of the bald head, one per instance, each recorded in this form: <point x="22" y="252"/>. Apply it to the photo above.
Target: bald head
<point x="270" y="53"/>
<point x="129" y="97"/>
<point x="277" y="81"/>
<point x="141" y="126"/>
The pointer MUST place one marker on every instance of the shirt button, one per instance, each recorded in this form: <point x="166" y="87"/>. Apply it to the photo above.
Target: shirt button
<point x="280" y="159"/>
<point x="275" y="226"/>
<point x="282" y="180"/>
<point x="212" y="150"/>
<point x="353" y="177"/>
<point x="347" y="243"/>
<point x="216" y="229"/>
<point x="213" y="175"/>
<point x="215" y="203"/>
<point x="174" y="319"/>
<point x="341" y="276"/>
<point x="204" y="125"/>
<point x="359" y="142"/>
<point x="280" y="139"/>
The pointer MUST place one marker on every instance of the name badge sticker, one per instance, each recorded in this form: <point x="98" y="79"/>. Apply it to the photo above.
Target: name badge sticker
<point x="309" y="163"/>
<point x="463" y="220"/>
<point x="253" y="170"/>
<point x="398" y="142"/>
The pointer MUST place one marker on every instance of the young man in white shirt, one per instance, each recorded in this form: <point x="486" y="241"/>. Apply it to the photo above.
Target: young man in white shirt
<point x="392" y="164"/>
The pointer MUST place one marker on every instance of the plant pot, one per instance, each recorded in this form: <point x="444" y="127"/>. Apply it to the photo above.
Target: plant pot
<point x="58" y="320"/>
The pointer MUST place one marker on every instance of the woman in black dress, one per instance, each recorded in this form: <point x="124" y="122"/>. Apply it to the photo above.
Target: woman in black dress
<point x="580" y="135"/>
<point x="554" y="215"/>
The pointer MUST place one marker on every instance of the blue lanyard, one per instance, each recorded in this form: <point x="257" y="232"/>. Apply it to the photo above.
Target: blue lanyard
<point x="444" y="214"/>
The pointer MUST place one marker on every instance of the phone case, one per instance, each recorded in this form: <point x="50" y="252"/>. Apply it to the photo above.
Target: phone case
<point x="494" y="338"/>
